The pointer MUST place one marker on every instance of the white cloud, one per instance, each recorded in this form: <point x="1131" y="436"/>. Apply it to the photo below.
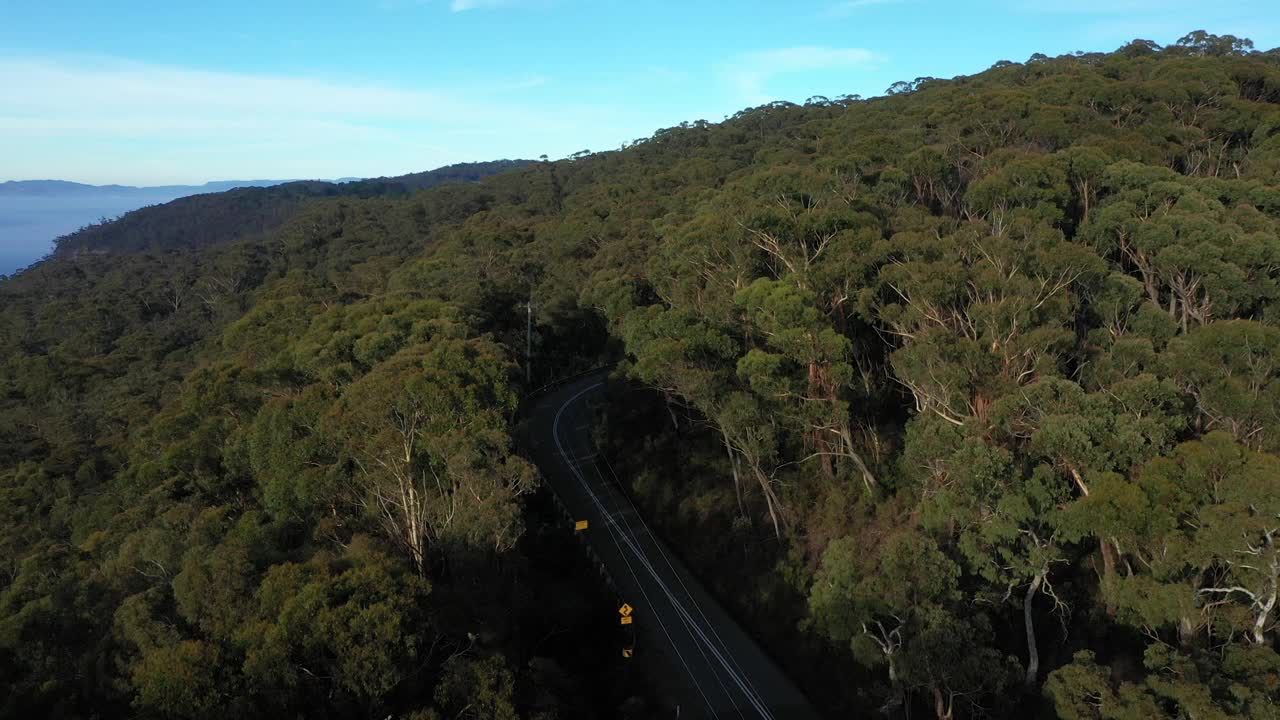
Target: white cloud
<point x="464" y="5"/>
<point x="114" y="88"/>
<point x="848" y="6"/>
<point x="108" y="120"/>
<point x="750" y="74"/>
<point x="456" y="6"/>
<point x="1103" y="7"/>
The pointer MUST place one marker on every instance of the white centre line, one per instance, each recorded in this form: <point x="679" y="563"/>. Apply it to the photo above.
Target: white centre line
<point x="730" y="668"/>
<point x="555" y="435"/>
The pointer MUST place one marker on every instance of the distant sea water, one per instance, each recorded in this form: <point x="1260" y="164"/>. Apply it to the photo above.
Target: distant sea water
<point x="29" y="225"/>
<point x="12" y="261"/>
<point x="34" y="213"/>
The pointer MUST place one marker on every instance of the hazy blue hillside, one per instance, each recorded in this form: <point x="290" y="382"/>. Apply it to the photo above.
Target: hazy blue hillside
<point x="35" y="212"/>
<point x="64" y="188"/>
<point x="213" y="218"/>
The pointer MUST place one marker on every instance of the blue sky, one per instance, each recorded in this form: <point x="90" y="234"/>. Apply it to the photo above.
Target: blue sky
<point x="183" y="92"/>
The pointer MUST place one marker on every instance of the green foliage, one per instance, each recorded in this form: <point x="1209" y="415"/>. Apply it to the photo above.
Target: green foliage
<point x="181" y="680"/>
<point x="358" y="621"/>
<point x="1229" y="369"/>
<point x="476" y="689"/>
<point x="1083" y="690"/>
<point x="201" y="220"/>
<point x="973" y="382"/>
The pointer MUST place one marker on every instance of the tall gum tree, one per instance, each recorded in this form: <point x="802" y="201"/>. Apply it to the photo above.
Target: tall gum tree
<point x="1196" y="532"/>
<point x="427" y="431"/>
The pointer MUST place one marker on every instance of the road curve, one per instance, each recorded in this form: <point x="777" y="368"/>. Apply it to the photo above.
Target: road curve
<point x="711" y="667"/>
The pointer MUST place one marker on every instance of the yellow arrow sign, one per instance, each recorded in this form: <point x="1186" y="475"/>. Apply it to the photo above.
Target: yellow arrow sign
<point x="626" y="619"/>
<point x="625" y="610"/>
<point x="580" y="525"/>
<point x="628" y="652"/>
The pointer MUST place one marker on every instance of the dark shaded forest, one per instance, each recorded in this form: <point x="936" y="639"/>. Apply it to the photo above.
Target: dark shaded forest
<point x="966" y="399"/>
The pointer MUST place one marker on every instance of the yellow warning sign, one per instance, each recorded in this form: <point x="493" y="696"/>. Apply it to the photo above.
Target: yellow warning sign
<point x="580" y="525"/>
<point x="628" y="652"/>
<point x="626" y="619"/>
<point x="625" y="610"/>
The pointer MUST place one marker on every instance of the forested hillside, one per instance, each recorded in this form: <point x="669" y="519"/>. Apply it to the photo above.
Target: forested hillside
<point x="207" y="219"/>
<point x="966" y="399"/>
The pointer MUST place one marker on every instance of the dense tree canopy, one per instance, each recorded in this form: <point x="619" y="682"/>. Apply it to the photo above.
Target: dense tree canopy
<point x="201" y="220"/>
<point x="963" y="398"/>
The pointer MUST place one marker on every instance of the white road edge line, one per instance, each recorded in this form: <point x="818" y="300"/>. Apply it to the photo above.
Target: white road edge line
<point x="731" y="671"/>
<point x="679" y="579"/>
<point x="555" y="435"/>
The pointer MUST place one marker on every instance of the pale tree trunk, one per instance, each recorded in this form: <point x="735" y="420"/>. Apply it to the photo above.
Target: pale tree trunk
<point x="1033" y="653"/>
<point x="737" y="479"/>
<point x="889" y="641"/>
<point x="766" y="486"/>
<point x="412" y="503"/>
<point x="867" y="478"/>
<point x="1109" y="554"/>
<point x="675" y="422"/>
<point x="1108" y="551"/>
<point x="764" y="480"/>
<point x="1186" y="631"/>
<point x="404" y="502"/>
<point x="941" y="709"/>
<point x="1268" y="604"/>
<point x="1078" y="479"/>
<point x="402" y="507"/>
<point x="1145" y="268"/>
<point x="412" y="530"/>
<point x="1264" y="614"/>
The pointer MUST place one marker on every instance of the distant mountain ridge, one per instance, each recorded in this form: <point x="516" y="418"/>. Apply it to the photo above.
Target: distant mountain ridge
<point x="35" y="212"/>
<point x="67" y="187"/>
<point x="209" y="218"/>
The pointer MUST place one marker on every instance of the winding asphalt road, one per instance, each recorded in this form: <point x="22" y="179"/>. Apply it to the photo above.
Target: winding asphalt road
<point x="710" y="666"/>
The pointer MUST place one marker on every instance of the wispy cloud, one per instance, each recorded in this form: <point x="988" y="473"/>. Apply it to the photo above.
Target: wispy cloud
<point x="1102" y="7"/>
<point x="453" y="5"/>
<point x="848" y="7"/>
<point x="464" y="5"/>
<point x="750" y="74"/>
<point x="56" y="113"/>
